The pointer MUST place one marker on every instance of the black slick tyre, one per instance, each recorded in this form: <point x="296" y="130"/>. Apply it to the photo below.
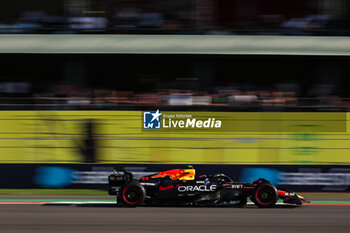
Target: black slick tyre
<point x="132" y="194"/>
<point x="265" y="196"/>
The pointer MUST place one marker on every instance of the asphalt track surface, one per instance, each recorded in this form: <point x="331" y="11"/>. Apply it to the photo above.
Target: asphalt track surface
<point x="108" y="218"/>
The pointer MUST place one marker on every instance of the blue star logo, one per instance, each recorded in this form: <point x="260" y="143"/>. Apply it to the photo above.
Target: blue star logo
<point x="151" y="120"/>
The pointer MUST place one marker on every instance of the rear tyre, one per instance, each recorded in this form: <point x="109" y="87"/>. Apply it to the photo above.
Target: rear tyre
<point x="132" y="194"/>
<point x="265" y="196"/>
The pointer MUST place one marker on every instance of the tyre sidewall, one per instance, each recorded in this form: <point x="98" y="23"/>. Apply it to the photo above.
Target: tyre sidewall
<point x="257" y="200"/>
<point x="132" y="185"/>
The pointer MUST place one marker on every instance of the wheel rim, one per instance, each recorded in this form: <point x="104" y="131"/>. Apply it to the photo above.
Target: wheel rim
<point x="132" y="194"/>
<point x="265" y="195"/>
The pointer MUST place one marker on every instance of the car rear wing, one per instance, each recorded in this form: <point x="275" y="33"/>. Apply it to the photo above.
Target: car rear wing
<point x="117" y="179"/>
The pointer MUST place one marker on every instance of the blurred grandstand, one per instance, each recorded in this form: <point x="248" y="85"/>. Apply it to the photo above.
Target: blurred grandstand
<point x="235" y="17"/>
<point x="191" y="82"/>
<point x="202" y="82"/>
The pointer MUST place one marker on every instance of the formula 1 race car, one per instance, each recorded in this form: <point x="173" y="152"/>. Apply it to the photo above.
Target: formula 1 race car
<point x="182" y="187"/>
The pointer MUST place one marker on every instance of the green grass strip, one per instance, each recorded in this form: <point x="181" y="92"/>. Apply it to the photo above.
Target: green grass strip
<point x="331" y="202"/>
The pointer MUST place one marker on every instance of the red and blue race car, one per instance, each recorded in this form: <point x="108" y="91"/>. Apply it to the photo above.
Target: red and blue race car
<point x="183" y="187"/>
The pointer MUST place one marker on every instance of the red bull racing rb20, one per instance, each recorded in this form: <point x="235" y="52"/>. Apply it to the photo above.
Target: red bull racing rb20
<point x="182" y="187"/>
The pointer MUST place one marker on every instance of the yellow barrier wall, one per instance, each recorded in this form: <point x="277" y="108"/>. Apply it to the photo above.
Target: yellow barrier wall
<point x="56" y="136"/>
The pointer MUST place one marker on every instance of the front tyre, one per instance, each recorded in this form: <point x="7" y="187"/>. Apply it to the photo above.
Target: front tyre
<point x="132" y="194"/>
<point x="265" y="196"/>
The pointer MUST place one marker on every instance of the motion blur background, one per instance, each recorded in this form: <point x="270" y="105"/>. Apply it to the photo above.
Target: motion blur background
<point x="251" y="17"/>
<point x="76" y="75"/>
